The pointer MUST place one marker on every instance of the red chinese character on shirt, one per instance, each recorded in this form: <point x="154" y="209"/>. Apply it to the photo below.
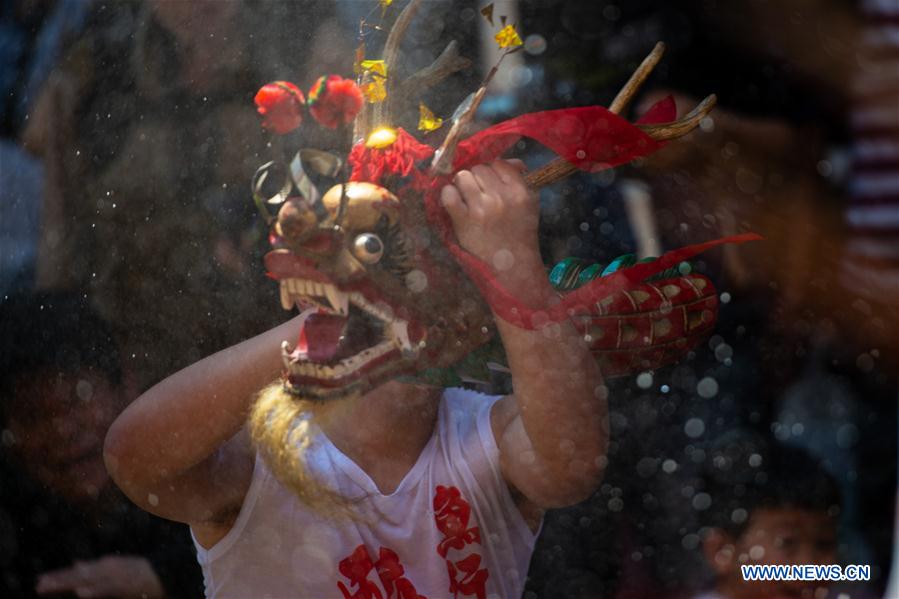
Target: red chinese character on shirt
<point x="452" y="513"/>
<point x="356" y="567"/>
<point x="390" y="572"/>
<point x="466" y="578"/>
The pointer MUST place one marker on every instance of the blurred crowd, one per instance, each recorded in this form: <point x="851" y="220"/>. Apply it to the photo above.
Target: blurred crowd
<point x="130" y="247"/>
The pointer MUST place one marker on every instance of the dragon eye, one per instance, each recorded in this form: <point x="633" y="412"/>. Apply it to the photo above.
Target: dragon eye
<point x="369" y="248"/>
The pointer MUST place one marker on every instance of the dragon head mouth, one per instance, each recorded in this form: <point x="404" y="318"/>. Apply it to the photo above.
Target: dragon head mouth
<point x="345" y="338"/>
<point x="350" y="337"/>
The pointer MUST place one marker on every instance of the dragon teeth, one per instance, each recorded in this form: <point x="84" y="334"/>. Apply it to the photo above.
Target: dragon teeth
<point x="326" y="295"/>
<point x="399" y="334"/>
<point x="345" y="367"/>
<point x="359" y="300"/>
<point x="339" y="300"/>
<point x="286" y="302"/>
<point x="285" y="354"/>
<point x="335" y="301"/>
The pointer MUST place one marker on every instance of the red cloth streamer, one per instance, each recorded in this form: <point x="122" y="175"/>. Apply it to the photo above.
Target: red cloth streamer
<point x="583" y="299"/>
<point x="592" y="139"/>
<point x="663" y="111"/>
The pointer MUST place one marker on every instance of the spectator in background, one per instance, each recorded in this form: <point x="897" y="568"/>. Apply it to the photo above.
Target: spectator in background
<point x="147" y="154"/>
<point x="819" y="181"/>
<point x="150" y="138"/>
<point x="767" y="507"/>
<point x="64" y="527"/>
<point x="871" y="264"/>
<point x="32" y="34"/>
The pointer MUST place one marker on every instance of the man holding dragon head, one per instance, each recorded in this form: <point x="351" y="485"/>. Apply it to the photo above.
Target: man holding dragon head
<point x="342" y="477"/>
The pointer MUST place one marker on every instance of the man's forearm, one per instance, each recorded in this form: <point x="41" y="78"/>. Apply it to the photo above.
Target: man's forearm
<point x="556" y="381"/>
<point x="185" y="418"/>
<point x="552" y="433"/>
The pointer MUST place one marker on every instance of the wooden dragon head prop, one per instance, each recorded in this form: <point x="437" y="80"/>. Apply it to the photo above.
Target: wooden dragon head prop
<point x="374" y="267"/>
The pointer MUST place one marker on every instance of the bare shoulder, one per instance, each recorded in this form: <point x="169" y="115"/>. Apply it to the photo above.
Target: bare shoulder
<point x="207" y="495"/>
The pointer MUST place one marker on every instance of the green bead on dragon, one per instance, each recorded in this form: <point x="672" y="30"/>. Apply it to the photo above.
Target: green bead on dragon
<point x="571" y="273"/>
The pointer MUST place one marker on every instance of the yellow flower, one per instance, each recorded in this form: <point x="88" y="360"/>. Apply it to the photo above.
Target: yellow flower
<point x="426" y="120"/>
<point x="374" y="80"/>
<point x="508" y="37"/>
<point x="378" y="67"/>
<point x="375" y="90"/>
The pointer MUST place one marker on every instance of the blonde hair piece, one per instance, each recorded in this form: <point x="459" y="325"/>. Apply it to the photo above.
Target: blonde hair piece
<point x="281" y="428"/>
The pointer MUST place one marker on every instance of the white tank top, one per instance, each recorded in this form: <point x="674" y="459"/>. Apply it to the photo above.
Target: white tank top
<point x="451" y="528"/>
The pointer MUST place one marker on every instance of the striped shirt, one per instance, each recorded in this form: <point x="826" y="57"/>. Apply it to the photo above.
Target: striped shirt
<point x="871" y="264"/>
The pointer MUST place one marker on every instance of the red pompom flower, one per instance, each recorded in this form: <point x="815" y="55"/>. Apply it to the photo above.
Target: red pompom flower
<point x="334" y="101"/>
<point x="398" y="159"/>
<point x="281" y="105"/>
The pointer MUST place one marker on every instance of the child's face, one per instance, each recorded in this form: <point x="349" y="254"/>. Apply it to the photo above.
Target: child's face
<point x="58" y="422"/>
<point x="776" y="536"/>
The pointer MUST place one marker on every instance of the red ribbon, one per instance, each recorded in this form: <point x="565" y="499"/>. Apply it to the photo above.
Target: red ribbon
<point x="581" y="300"/>
<point x="663" y="111"/>
<point x="591" y="138"/>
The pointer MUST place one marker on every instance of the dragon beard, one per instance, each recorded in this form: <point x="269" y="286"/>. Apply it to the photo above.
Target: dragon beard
<point x="281" y="428"/>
